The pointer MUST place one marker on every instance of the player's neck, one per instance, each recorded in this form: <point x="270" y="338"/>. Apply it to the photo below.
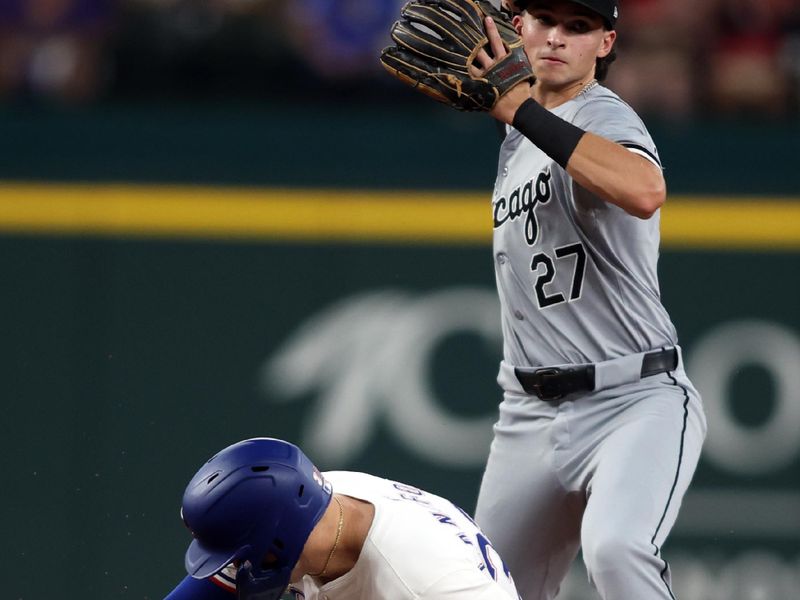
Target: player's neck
<point x="551" y="96"/>
<point x="357" y="519"/>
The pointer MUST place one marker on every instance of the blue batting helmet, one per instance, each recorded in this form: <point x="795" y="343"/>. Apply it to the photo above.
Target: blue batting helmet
<point x="256" y="498"/>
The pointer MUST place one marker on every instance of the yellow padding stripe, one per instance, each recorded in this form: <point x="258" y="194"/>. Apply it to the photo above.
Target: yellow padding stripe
<point x="351" y="215"/>
<point x="731" y="223"/>
<point x="313" y="215"/>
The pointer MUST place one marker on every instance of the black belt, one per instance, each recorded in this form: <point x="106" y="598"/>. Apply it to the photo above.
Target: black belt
<point x="553" y="383"/>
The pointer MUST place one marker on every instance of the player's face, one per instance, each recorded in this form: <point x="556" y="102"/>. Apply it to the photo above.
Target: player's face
<point x="563" y="41"/>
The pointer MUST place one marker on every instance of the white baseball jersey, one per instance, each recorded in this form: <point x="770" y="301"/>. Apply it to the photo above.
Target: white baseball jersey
<point x="576" y="275"/>
<point x="420" y="546"/>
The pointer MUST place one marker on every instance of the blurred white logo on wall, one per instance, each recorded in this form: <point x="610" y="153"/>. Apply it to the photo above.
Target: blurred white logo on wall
<point x="369" y="357"/>
<point x="714" y="361"/>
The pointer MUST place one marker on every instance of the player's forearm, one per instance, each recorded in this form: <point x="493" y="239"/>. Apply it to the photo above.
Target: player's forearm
<point x="618" y="175"/>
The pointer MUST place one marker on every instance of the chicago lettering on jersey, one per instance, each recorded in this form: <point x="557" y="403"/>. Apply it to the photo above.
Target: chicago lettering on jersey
<point x="523" y="200"/>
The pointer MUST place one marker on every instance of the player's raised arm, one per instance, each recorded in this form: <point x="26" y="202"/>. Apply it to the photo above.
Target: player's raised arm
<point x="618" y="175"/>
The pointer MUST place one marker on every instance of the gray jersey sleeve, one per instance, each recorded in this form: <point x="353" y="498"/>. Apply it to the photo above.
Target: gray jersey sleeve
<point x="610" y="117"/>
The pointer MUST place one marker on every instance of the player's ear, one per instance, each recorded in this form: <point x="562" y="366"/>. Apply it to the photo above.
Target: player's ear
<point x="517" y="23"/>
<point x="609" y="37"/>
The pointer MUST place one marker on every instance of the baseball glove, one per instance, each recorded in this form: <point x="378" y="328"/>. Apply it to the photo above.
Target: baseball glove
<point x="437" y="42"/>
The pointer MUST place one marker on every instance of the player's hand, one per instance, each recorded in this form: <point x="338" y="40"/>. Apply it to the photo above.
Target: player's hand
<point x="445" y="65"/>
<point x="508" y="104"/>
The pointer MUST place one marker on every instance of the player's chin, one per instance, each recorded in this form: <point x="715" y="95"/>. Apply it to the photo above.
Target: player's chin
<point x="550" y="80"/>
<point x="551" y="72"/>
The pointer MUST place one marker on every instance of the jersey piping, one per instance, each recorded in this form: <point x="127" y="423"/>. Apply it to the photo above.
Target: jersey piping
<point x="674" y="483"/>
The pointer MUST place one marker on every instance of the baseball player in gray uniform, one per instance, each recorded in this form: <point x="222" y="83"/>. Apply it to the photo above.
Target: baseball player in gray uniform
<point x="263" y="517"/>
<point x="600" y="430"/>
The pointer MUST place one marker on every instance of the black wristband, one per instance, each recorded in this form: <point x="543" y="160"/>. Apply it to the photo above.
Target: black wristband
<point x="553" y="135"/>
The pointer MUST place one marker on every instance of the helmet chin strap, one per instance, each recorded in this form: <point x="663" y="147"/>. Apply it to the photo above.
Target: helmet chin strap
<point x="268" y="587"/>
<point x="339" y="528"/>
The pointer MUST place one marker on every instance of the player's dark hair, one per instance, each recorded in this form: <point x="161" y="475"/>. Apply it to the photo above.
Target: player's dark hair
<point x="602" y="64"/>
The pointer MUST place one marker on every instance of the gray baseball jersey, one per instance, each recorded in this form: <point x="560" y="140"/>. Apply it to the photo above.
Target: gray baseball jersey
<point x="604" y="469"/>
<point x="576" y="275"/>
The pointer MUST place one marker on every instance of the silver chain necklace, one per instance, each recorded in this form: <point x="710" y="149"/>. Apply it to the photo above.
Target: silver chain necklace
<point x="589" y="86"/>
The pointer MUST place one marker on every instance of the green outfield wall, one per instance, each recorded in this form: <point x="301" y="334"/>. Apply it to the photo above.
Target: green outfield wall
<point x="146" y="321"/>
<point x="428" y="147"/>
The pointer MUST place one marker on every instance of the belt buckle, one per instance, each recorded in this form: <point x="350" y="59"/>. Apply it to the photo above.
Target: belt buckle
<point x="545" y="374"/>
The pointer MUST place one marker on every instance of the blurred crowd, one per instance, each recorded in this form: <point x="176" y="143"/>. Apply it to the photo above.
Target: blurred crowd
<point x="677" y="58"/>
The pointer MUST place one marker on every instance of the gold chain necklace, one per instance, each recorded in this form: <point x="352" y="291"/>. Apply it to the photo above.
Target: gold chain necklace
<point x="335" y="541"/>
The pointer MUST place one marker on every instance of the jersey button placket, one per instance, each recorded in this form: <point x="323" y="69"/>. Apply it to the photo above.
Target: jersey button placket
<point x="502" y="260"/>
